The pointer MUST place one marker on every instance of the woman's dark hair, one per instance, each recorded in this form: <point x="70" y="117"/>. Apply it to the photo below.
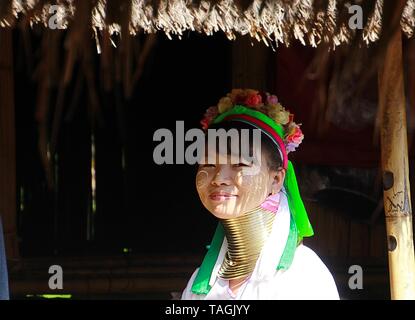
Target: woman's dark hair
<point x="268" y="147"/>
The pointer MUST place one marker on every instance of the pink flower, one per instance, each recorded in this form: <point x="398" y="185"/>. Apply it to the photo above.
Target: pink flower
<point x="295" y="135"/>
<point x="272" y="100"/>
<point x="290" y="147"/>
<point x="253" y="100"/>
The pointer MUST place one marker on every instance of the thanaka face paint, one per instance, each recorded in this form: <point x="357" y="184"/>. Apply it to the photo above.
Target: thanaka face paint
<point x="228" y="188"/>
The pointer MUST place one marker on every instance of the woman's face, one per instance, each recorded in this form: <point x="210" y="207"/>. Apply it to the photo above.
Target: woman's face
<point x="228" y="189"/>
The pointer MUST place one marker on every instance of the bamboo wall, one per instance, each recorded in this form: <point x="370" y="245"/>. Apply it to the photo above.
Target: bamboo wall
<point x="340" y="237"/>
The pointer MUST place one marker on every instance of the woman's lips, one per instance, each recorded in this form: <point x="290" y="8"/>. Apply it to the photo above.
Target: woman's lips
<point x="221" y="196"/>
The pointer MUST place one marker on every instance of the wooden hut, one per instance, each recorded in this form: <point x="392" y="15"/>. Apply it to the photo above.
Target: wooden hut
<point x="321" y="56"/>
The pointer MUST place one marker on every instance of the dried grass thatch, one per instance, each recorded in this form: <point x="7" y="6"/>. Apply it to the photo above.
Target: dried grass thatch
<point x="310" y="21"/>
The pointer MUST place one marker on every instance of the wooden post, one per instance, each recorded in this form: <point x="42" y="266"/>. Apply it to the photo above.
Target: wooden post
<point x="394" y="147"/>
<point x="7" y="145"/>
<point x="251" y="64"/>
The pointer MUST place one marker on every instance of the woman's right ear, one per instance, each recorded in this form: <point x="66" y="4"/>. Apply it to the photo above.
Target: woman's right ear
<point x="278" y="182"/>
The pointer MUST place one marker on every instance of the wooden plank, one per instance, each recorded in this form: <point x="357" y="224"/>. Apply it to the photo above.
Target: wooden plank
<point x="7" y="146"/>
<point x="251" y="66"/>
<point x="378" y="241"/>
<point x="359" y="240"/>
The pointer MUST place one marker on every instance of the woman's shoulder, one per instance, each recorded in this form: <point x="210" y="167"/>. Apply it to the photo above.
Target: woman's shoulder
<point x="304" y="254"/>
<point x="314" y="280"/>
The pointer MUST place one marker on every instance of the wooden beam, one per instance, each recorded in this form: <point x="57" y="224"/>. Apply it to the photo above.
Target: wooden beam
<point x="7" y="145"/>
<point x="394" y="148"/>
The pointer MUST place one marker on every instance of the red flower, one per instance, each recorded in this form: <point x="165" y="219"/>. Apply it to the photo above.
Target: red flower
<point x="253" y="100"/>
<point x="205" y="123"/>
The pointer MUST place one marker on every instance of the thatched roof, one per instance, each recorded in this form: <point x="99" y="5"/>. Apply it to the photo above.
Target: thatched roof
<point x="310" y="21"/>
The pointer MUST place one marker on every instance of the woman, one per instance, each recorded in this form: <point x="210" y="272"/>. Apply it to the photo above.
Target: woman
<point x="257" y="250"/>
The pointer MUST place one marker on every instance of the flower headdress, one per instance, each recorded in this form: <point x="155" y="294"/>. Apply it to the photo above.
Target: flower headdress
<point x="263" y="102"/>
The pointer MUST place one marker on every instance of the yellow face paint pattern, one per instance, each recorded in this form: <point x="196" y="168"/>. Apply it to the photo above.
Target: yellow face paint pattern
<point x="202" y="178"/>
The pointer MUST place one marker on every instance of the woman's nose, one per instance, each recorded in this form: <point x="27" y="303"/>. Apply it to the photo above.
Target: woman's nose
<point x="221" y="177"/>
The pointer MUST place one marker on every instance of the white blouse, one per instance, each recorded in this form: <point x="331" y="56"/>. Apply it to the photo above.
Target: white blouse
<point x="306" y="279"/>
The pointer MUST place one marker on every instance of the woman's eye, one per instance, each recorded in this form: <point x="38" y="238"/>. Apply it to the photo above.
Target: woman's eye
<point x="208" y="165"/>
<point x="242" y="164"/>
